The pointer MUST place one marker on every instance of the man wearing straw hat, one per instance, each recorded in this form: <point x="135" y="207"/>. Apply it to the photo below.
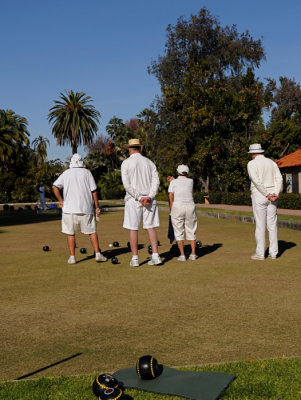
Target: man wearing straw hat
<point x="266" y="182"/>
<point x="141" y="182"/>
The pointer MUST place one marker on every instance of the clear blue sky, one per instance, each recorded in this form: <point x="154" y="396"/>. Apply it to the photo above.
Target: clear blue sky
<point x="103" y="48"/>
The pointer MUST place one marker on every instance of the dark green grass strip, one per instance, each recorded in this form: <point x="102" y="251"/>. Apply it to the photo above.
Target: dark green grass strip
<point x="278" y="379"/>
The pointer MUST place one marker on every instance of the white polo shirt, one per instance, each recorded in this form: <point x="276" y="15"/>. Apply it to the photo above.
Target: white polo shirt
<point x="182" y="189"/>
<point x="78" y="185"/>
<point x="139" y="177"/>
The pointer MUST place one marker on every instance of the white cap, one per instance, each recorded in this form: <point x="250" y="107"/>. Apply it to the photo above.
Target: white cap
<point x="255" y="148"/>
<point x="76" y="161"/>
<point x="182" y="168"/>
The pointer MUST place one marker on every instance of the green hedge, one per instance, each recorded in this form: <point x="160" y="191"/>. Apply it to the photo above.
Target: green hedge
<point x="290" y="201"/>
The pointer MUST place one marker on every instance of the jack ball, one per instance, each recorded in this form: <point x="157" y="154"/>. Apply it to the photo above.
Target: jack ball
<point x="46" y="248"/>
<point x="147" y="367"/>
<point x="83" y="250"/>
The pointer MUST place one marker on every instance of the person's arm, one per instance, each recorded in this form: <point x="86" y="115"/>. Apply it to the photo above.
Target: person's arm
<point x="155" y="183"/>
<point x="58" y="196"/>
<point x="95" y="199"/>
<point x="126" y="182"/>
<point x="170" y="197"/>
<point x="256" y="180"/>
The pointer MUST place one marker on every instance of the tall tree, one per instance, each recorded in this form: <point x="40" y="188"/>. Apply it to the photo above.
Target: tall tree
<point x="210" y="97"/>
<point x="13" y="135"/>
<point x="40" y="147"/>
<point x="74" y="120"/>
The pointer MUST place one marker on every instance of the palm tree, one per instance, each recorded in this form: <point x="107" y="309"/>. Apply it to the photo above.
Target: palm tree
<point x="73" y="119"/>
<point x="40" y="147"/>
<point x="13" y="134"/>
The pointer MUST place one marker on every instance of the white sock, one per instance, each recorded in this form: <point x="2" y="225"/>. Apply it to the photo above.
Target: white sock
<point x="134" y="257"/>
<point x="155" y="255"/>
<point x="97" y="254"/>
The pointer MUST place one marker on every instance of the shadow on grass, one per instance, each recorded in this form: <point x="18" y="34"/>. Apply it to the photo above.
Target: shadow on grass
<point x="25" y="217"/>
<point x="200" y="252"/>
<point x="282" y="247"/>
<point x="114" y="252"/>
<point x="48" y="366"/>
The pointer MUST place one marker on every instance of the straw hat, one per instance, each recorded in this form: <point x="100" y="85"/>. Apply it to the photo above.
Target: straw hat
<point x="134" y="143"/>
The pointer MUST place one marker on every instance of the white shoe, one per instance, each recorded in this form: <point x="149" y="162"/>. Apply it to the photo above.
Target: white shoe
<point x="100" y="258"/>
<point x="272" y="257"/>
<point x="257" y="257"/>
<point x="71" y="260"/>
<point x="182" y="258"/>
<point x="134" y="263"/>
<point x="192" y="257"/>
<point x="155" y="261"/>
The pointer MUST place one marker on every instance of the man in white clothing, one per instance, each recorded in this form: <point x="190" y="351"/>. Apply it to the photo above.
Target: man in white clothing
<point x="266" y="182"/>
<point x="78" y="202"/>
<point x="141" y="182"/>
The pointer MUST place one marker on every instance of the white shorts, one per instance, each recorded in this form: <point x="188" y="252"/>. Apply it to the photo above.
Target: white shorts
<point x="134" y="212"/>
<point x="184" y="219"/>
<point x="86" y="222"/>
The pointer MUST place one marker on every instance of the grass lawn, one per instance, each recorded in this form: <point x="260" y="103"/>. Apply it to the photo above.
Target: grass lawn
<point x="90" y="318"/>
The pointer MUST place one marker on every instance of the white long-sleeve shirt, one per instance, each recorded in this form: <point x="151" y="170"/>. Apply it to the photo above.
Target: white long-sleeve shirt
<point x="265" y="175"/>
<point x="139" y="177"/>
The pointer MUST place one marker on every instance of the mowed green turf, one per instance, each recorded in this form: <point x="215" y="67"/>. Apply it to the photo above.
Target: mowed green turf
<point x="222" y="307"/>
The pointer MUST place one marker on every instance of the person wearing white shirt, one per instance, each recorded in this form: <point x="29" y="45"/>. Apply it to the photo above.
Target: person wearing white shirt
<point x="266" y="183"/>
<point x="78" y="202"/>
<point x="141" y="182"/>
<point x="183" y="213"/>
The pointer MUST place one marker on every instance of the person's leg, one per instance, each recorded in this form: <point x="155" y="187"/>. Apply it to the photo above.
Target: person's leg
<point x="259" y="204"/>
<point x="95" y="242"/>
<point x="272" y="228"/>
<point x="153" y="238"/>
<point x="181" y="247"/>
<point x="191" y="225"/>
<point x="193" y="246"/>
<point x="71" y="244"/>
<point x="134" y="242"/>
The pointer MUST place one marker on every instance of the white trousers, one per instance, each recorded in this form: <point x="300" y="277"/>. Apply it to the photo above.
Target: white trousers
<point x="265" y="214"/>
<point x="184" y="219"/>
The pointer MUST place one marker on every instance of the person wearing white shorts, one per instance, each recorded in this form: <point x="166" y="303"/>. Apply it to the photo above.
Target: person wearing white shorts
<point x="183" y="213"/>
<point x="78" y="202"/>
<point x="141" y="182"/>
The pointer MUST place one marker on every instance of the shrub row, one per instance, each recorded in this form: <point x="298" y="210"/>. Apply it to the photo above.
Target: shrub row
<point x="290" y="201"/>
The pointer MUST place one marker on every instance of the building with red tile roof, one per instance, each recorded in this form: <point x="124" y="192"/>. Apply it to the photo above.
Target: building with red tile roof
<point x="290" y="167"/>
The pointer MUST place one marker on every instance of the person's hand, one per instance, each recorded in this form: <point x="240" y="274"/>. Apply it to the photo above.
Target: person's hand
<point x="170" y="178"/>
<point x="273" y="197"/>
<point x="145" y="201"/>
<point x="61" y="204"/>
<point x="98" y="211"/>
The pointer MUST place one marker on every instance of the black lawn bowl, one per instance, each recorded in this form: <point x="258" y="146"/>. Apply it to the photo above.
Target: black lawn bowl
<point x="147" y="367"/>
<point x="46" y="248"/>
<point x="159" y="244"/>
<point x="150" y="250"/>
<point x="115" y="244"/>
<point x="198" y="244"/>
<point x="83" y="250"/>
<point x="112" y="394"/>
<point x="103" y="382"/>
<point x="114" y="260"/>
<point x="129" y="245"/>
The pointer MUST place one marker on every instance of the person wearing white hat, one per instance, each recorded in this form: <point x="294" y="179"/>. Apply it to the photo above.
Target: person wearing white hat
<point x="78" y="203"/>
<point x="141" y="182"/>
<point x="266" y="182"/>
<point x="183" y="213"/>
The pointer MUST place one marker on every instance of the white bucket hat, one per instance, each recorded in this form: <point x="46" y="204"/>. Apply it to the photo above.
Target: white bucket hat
<point x="76" y="161"/>
<point x="255" y="149"/>
<point x="182" y="168"/>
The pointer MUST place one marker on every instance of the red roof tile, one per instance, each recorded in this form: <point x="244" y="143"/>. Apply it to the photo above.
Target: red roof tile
<point x="291" y="160"/>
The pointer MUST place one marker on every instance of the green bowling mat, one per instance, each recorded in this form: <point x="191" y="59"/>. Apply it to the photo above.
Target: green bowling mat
<point x="192" y="385"/>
